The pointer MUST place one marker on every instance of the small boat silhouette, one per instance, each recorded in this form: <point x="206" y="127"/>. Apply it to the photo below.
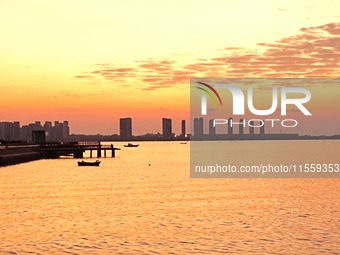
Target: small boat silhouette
<point x="131" y="145"/>
<point x="84" y="163"/>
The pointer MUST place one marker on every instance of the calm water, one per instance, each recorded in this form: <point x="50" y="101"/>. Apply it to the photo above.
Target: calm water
<point x="144" y="202"/>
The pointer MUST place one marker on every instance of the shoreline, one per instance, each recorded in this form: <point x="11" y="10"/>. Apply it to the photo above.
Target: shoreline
<point x="17" y="155"/>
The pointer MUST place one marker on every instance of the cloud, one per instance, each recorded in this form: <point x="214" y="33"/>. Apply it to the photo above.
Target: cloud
<point x="71" y="95"/>
<point x="312" y="52"/>
<point x="110" y="72"/>
<point x="156" y="87"/>
<point x="83" y="76"/>
<point x="157" y="65"/>
<point x="331" y="28"/>
<point x="282" y="9"/>
<point x="233" y="48"/>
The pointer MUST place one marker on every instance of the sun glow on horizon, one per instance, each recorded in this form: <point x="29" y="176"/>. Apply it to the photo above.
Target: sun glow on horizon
<point x="96" y="61"/>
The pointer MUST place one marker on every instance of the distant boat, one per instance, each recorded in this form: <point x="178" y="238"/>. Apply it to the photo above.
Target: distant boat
<point x="183" y="142"/>
<point x="131" y="145"/>
<point x="84" y="163"/>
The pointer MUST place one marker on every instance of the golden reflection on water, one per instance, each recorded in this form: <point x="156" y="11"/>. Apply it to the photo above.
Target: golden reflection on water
<point x="143" y="201"/>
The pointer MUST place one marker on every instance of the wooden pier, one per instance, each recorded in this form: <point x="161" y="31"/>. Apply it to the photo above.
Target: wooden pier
<point x="76" y="149"/>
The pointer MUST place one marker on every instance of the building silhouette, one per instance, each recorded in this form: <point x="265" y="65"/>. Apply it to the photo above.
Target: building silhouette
<point x="25" y="133"/>
<point x="262" y="129"/>
<point x="251" y="127"/>
<point x="241" y="127"/>
<point x="230" y="126"/>
<point x="125" y="127"/>
<point x="65" y="130"/>
<point x="16" y="130"/>
<point x="198" y="127"/>
<point x="11" y="131"/>
<point x="49" y="130"/>
<point x="212" y="129"/>
<point x="57" y="131"/>
<point x="166" y="128"/>
<point x="183" y="133"/>
<point x="39" y="137"/>
<point x="7" y="131"/>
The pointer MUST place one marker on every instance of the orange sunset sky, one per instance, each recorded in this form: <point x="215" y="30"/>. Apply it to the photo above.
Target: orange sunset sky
<point x="92" y="62"/>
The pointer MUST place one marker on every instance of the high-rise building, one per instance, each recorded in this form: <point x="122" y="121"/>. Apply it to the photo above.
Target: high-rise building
<point x="65" y="130"/>
<point x="11" y="131"/>
<point x="57" y="131"/>
<point x="166" y="128"/>
<point x="241" y="127"/>
<point x="230" y="126"/>
<point x="262" y="129"/>
<point x="49" y="131"/>
<point x="25" y="133"/>
<point x="1" y="131"/>
<point x="125" y="127"/>
<point x="212" y="129"/>
<point x="198" y="127"/>
<point x="6" y="131"/>
<point x="251" y="127"/>
<point x="16" y="131"/>
<point x="183" y="128"/>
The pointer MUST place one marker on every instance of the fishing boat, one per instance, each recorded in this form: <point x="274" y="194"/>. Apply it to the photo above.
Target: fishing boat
<point x="131" y="145"/>
<point x="85" y="163"/>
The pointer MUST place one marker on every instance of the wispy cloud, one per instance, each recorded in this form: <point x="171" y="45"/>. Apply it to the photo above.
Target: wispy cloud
<point x="83" y="76"/>
<point x="282" y="9"/>
<point x="312" y="52"/>
<point x="155" y="87"/>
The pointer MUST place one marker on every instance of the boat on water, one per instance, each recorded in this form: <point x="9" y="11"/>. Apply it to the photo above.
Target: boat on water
<point x="85" y="163"/>
<point x="183" y="142"/>
<point x="131" y="145"/>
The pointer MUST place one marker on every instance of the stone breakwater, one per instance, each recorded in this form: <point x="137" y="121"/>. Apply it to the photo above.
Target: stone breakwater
<point x="18" y="154"/>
